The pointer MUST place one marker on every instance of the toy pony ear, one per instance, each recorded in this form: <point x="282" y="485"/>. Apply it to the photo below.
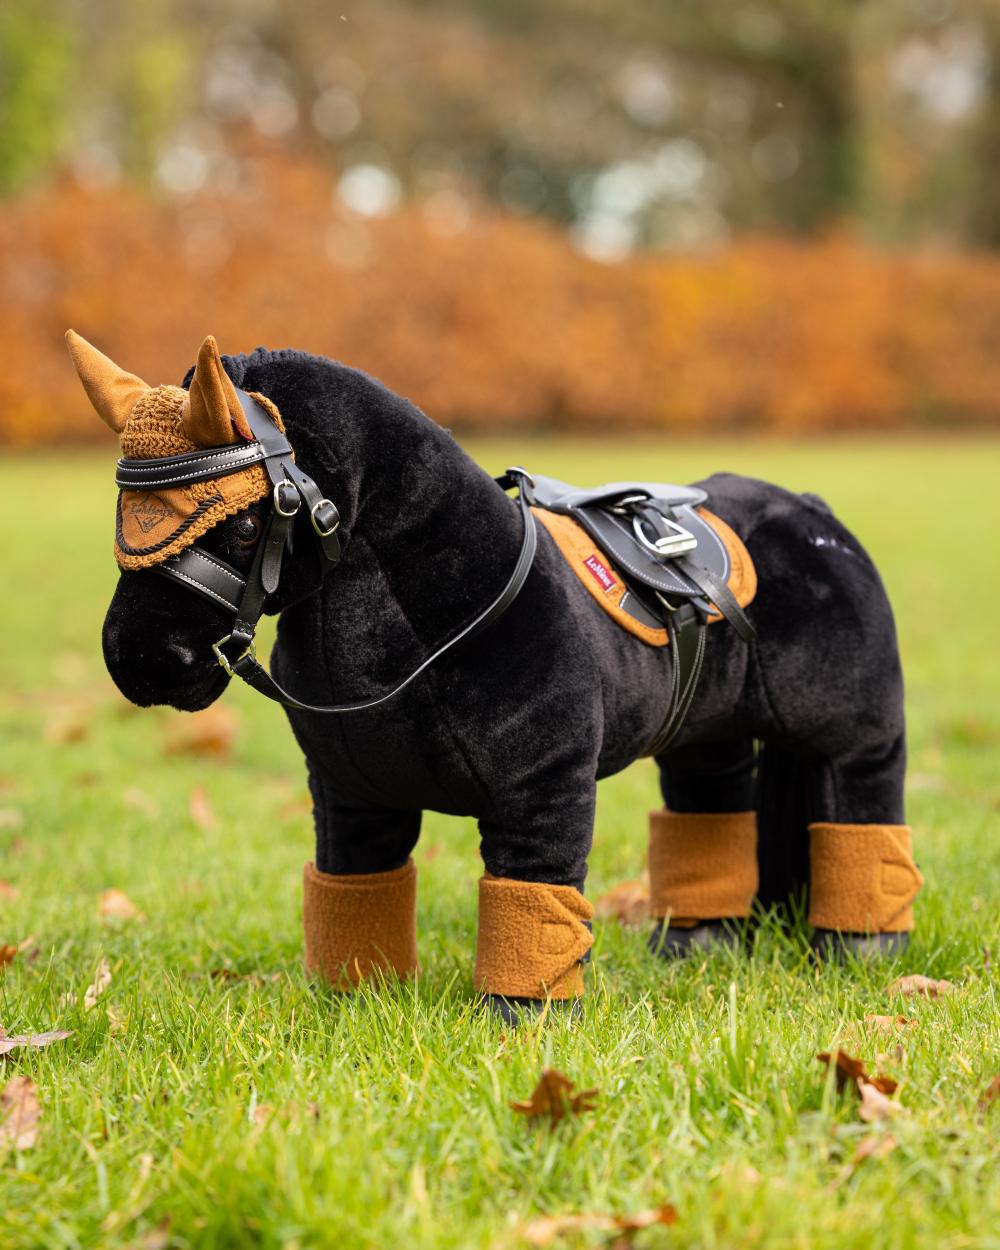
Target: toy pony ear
<point x="111" y="390"/>
<point x="213" y="408"/>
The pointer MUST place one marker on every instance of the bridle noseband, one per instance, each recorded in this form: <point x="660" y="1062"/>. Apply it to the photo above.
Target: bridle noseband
<point x="291" y="490"/>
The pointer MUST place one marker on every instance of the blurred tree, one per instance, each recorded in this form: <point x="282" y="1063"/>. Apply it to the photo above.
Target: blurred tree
<point x="38" y="43"/>
<point x="984" y="199"/>
<point x="633" y="123"/>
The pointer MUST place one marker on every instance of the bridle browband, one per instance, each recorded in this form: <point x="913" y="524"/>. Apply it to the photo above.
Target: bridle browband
<point x="292" y="489"/>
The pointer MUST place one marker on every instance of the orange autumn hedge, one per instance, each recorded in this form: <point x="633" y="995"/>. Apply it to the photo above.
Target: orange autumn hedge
<point x="496" y="325"/>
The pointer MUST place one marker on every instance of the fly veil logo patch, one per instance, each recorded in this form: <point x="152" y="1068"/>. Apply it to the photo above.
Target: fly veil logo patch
<point x="600" y="572"/>
<point x="148" y="512"/>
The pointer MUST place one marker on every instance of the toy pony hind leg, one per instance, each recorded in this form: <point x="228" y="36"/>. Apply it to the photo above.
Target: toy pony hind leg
<point x="703" y="847"/>
<point x="359" y="897"/>
<point x="862" y="876"/>
<point x="837" y="822"/>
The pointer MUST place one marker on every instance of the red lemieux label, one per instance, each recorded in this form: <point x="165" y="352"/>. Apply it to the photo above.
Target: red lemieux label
<point x="600" y="572"/>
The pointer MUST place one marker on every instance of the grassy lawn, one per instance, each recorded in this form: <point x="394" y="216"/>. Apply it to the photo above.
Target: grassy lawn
<point x="711" y="1099"/>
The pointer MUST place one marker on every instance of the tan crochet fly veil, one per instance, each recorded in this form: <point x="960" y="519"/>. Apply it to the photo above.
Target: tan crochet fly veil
<point x="155" y="421"/>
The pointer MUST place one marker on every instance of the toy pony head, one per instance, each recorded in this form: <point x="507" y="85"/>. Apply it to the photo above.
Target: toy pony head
<point x="207" y="483"/>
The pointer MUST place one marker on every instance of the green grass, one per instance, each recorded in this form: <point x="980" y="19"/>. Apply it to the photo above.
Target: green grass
<point x="710" y="1096"/>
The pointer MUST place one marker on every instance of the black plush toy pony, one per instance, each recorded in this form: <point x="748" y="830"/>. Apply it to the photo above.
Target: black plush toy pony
<point x="534" y="647"/>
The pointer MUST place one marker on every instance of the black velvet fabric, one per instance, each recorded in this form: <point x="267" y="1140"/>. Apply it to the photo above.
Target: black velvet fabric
<point x="515" y="727"/>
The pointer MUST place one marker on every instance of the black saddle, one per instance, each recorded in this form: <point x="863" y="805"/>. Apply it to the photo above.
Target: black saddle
<point x="672" y="560"/>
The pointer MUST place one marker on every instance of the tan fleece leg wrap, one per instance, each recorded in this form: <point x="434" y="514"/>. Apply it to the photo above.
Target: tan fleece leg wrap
<point x="702" y="865"/>
<point x="359" y="925"/>
<point x="862" y="878"/>
<point x="531" y="939"/>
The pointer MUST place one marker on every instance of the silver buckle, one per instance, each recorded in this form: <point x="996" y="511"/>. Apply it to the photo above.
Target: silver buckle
<point x="516" y="469"/>
<point x="315" y="524"/>
<point x="278" y="488"/>
<point x="250" y="651"/>
<point x="672" y="544"/>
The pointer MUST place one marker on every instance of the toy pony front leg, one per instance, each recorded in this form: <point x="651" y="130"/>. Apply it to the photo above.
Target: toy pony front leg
<point x="534" y="933"/>
<point x="359" y="897"/>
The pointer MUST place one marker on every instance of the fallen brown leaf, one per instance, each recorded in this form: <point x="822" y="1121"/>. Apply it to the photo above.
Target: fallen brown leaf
<point x="990" y="1094"/>
<point x="34" y="1041"/>
<point x="8" y="893"/>
<point x="873" y="1090"/>
<point x="874" y="1146"/>
<point x="553" y="1096"/>
<point x="889" y="1024"/>
<point x="884" y="1084"/>
<point x="101" y="981"/>
<point x="209" y="732"/>
<point x="116" y="905"/>
<point x="916" y="985"/>
<point x="546" y="1228"/>
<point x="8" y="954"/>
<point x="626" y="902"/>
<point x="848" y="1070"/>
<point x="200" y="809"/>
<point x="874" y="1103"/>
<point x="19" y="1113"/>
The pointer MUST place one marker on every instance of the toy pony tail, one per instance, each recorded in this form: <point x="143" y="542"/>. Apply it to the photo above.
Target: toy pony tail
<point x="784" y="810"/>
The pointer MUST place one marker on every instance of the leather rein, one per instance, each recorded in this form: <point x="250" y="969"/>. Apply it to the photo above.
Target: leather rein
<point x="292" y="489"/>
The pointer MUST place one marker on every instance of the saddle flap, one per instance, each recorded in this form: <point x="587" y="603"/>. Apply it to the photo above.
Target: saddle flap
<point x="615" y="533"/>
<point x="616" y="537"/>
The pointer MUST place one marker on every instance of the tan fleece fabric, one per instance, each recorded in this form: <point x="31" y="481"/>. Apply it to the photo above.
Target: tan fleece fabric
<point x="531" y="939"/>
<point x="607" y="586"/>
<point x="213" y="415"/>
<point x="742" y="580"/>
<point x="111" y="390"/>
<point x="153" y="525"/>
<point x="703" y="865"/>
<point x="359" y="925"/>
<point x="862" y="878"/>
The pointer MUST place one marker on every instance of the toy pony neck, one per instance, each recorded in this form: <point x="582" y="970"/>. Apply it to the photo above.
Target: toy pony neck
<point x="444" y="535"/>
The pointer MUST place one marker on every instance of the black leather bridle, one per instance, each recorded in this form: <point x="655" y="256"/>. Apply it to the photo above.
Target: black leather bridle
<point x="292" y="489"/>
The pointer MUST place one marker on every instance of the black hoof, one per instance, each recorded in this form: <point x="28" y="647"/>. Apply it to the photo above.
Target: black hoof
<point x="515" y="1011"/>
<point x="671" y="943"/>
<point x="833" y="945"/>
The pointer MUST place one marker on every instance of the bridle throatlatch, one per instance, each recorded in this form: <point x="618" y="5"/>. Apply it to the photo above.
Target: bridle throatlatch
<point x="291" y="491"/>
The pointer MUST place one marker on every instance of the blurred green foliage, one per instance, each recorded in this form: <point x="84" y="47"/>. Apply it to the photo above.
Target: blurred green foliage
<point x="36" y="65"/>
